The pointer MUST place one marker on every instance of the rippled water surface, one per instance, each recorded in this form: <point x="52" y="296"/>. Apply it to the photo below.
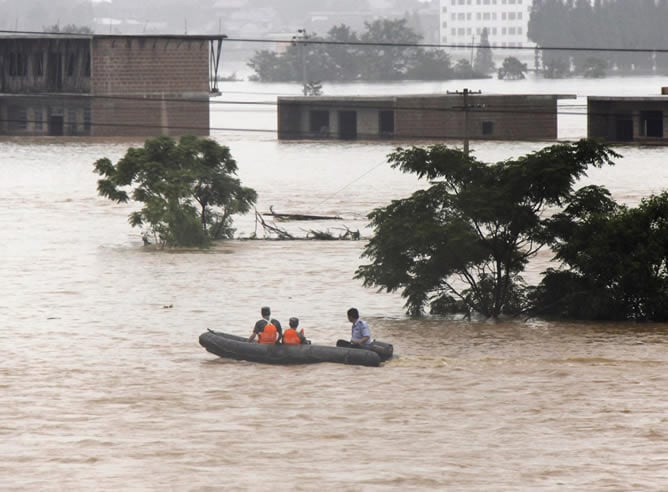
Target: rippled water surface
<point x="103" y="385"/>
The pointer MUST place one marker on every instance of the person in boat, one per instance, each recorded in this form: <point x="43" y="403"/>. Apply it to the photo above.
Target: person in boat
<point x="360" y="333"/>
<point x="293" y="337"/>
<point x="267" y="329"/>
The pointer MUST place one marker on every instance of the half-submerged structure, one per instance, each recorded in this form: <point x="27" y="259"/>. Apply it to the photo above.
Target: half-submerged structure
<point x="637" y="119"/>
<point x="465" y="115"/>
<point x="106" y="85"/>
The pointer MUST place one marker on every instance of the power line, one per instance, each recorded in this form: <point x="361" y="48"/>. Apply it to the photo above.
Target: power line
<point x="447" y="45"/>
<point x="325" y="42"/>
<point x="497" y="109"/>
<point x="296" y="136"/>
<point x="366" y="101"/>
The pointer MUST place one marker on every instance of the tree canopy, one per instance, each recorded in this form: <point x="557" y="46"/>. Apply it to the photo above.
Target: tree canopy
<point x="484" y="61"/>
<point x="188" y="189"/>
<point x="602" y="24"/>
<point x="383" y="52"/>
<point x="461" y="244"/>
<point x="614" y="260"/>
<point x="512" y="69"/>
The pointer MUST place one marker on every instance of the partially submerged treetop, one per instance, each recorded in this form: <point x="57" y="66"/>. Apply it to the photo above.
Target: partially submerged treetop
<point x="188" y="189"/>
<point x="460" y="244"/>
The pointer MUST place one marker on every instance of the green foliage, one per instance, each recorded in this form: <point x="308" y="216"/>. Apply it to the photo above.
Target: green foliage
<point x="594" y="68"/>
<point x="556" y="68"/>
<point x="484" y="62"/>
<point x="313" y="89"/>
<point x="464" y="69"/>
<point x="188" y="189"/>
<point x="624" y="24"/>
<point x="68" y="29"/>
<point x="616" y="259"/>
<point x="385" y="61"/>
<point x="461" y="244"/>
<point x="430" y="65"/>
<point x="512" y="69"/>
<point x="384" y="51"/>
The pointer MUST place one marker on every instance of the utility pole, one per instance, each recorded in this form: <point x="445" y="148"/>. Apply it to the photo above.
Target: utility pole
<point x="300" y="39"/>
<point x="467" y="106"/>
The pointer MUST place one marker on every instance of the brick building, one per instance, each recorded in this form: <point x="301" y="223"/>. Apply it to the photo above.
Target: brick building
<point x="105" y="85"/>
<point x="433" y="116"/>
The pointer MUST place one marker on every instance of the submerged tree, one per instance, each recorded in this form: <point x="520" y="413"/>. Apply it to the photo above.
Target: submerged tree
<point x="461" y="244"/>
<point x="484" y="60"/>
<point x="512" y="69"/>
<point x="387" y="50"/>
<point x="594" y="68"/>
<point x="614" y="260"/>
<point x="188" y="189"/>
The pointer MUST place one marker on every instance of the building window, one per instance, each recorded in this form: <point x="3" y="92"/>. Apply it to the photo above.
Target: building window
<point x="487" y="128"/>
<point x="651" y="123"/>
<point x="319" y="121"/>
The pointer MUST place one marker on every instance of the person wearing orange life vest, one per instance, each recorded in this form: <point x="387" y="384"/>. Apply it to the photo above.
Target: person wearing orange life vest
<point x="267" y="330"/>
<point x="293" y="337"/>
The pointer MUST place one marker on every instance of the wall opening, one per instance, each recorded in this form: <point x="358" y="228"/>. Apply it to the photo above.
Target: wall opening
<point x="56" y="126"/>
<point x="651" y="123"/>
<point x="487" y="128"/>
<point x="319" y="122"/>
<point x="38" y="65"/>
<point x="55" y="71"/>
<point x="386" y="123"/>
<point x="347" y="125"/>
<point x="623" y="128"/>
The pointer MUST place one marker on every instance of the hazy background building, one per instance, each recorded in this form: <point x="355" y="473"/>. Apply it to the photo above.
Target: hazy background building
<point x="506" y="21"/>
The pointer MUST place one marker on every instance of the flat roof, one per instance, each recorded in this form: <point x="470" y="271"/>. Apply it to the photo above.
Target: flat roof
<point x="61" y="35"/>
<point x="627" y="98"/>
<point x="394" y="97"/>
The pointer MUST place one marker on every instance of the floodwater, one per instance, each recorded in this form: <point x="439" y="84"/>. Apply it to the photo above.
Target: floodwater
<point x="103" y="385"/>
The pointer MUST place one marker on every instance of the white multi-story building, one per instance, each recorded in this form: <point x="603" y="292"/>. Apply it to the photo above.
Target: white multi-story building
<point x="462" y="22"/>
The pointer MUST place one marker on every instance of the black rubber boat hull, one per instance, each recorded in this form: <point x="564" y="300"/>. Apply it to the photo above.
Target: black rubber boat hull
<point x="235" y="347"/>
<point x="383" y="349"/>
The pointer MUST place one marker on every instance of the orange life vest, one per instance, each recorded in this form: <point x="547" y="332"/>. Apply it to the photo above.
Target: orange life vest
<point x="291" y="337"/>
<point x="269" y="334"/>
